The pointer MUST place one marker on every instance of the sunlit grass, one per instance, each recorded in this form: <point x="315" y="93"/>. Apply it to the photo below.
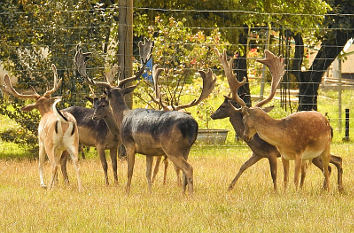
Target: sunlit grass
<point x="251" y="207"/>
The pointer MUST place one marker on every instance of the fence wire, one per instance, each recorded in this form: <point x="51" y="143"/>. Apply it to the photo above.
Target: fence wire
<point x="260" y="44"/>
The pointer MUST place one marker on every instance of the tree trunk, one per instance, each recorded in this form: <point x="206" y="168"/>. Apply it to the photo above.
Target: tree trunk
<point x="240" y="65"/>
<point x="311" y="79"/>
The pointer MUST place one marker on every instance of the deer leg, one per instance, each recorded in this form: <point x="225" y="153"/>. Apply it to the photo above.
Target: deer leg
<point x="149" y="160"/>
<point x="187" y="169"/>
<point x="318" y="163"/>
<point x="81" y="149"/>
<point x="165" y="161"/>
<point x="303" y="174"/>
<point x="131" y="161"/>
<point x="156" y="169"/>
<point x="74" y="154"/>
<point x="113" y="153"/>
<point x="273" y="164"/>
<point x="178" y="175"/>
<point x="54" y="173"/>
<point x="286" y="172"/>
<point x="254" y="159"/>
<point x="337" y="161"/>
<point x="325" y="161"/>
<point x="55" y="160"/>
<point x="63" y="161"/>
<point x="40" y="164"/>
<point x="298" y="164"/>
<point x="102" y="155"/>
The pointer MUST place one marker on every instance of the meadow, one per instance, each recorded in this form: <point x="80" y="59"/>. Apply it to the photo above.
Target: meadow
<point x="252" y="206"/>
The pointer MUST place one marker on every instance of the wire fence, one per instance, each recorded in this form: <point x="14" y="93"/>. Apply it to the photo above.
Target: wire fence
<point x="260" y="42"/>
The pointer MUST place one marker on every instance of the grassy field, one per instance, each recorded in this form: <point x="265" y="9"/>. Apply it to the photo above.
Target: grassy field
<point x="251" y="207"/>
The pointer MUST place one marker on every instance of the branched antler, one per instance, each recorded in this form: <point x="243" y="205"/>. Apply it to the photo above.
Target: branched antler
<point x="234" y="84"/>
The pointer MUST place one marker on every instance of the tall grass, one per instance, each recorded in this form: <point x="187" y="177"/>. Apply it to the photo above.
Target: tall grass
<point x="251" y="207"/>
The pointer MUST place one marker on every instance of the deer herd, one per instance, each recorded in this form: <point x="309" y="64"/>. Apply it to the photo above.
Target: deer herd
<point x="169" y="133"/>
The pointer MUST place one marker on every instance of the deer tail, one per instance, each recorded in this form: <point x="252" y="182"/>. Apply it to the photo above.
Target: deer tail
<point x="59" y="115"/>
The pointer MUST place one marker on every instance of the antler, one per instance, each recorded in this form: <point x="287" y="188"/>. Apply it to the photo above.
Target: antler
<point x="156" y="71"/>
<point x="56" y="84"/>
<point x="208" y="86"/>
<point x="80" y="59"/>
<point x="145" y="50"/>
<point x="8" y="88"/>
<point x="234" y="84"/>
<point x="277" y="69"/>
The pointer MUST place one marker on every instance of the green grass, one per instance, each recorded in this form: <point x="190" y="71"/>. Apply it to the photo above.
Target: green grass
<point x="251" y="207"/>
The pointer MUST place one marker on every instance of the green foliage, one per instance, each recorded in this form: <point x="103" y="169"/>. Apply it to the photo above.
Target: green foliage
<point x="181" y="52"/>
<point x="35" y="35"/>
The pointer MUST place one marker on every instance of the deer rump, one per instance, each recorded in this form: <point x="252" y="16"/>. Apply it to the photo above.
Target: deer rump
<point x="155" y="133"/>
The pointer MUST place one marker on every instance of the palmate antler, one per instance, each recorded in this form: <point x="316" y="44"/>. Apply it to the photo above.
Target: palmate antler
<point x="275" y="65"/>
<point x="208" y="86"/>
<point x="145" y="50"/>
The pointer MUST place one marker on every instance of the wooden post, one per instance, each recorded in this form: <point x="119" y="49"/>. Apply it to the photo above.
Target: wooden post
<point x="346" y="137"/>
<point x="125" y="35"/>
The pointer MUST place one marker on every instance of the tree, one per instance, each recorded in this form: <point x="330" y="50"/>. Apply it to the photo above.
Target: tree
<point x="35" y="35"/>
<point x="339" y="29"/>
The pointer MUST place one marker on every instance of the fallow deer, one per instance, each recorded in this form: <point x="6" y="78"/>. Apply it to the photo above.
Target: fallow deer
<point x="57" y="131"/>
<point x="103" y="111"/>
<point x="146" y="131"/>
<point x="260" y="148"/>
<point x="300" y="136"/>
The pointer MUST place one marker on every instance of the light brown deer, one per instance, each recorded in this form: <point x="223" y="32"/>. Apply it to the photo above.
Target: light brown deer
<point x="260" y="148"/>
<point x="300" y="136"/>
<point x="57" y="131"/>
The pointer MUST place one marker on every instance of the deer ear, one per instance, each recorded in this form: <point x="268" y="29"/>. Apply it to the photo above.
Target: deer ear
<point x="129" y="89"/>
<point x="89" y="99"/>
<point x="268" y="109"/>
<point x="29" y="107"/>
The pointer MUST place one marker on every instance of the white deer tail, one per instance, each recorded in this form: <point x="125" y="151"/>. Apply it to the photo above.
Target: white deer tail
<point x="58" y="114"/>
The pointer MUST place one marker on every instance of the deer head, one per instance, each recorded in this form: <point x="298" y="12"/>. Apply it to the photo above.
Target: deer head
<point x="42" y="102"/>
<point x="208" y="86"/>
<point x="251" y="114"/>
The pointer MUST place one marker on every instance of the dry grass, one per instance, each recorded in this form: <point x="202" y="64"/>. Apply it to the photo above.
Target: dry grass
<point x="251" y="207"/>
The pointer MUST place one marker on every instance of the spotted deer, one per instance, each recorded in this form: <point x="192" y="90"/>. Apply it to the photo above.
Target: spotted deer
<point x="57" y="131"/>
<point x="146" y="131"/>
<point x="260" y="148"/>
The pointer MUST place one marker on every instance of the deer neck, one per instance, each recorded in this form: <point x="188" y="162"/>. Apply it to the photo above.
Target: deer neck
<point x="269" y="129"/>
<point x="44" y="109"/>
<point x="119" y="110"/>
<point x="112" y="124"/>
<point x="236" y="122"/>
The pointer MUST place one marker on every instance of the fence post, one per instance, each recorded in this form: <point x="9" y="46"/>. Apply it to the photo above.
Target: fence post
<point x="346" y="137"/>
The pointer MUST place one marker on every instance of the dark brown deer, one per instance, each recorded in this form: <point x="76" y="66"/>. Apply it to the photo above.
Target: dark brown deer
<point x="259" y="147"/>
<point x="94" y="133"/>
<point x="146" y="131"/>
<point x="208" y="86"/>
<point x="104" y="111"/>
<point x="57" y="131"/>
